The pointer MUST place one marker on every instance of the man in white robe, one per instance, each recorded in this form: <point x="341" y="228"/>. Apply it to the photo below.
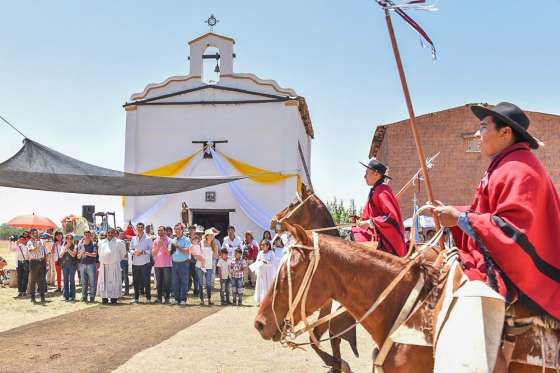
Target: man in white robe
<point x="111" y="250"/>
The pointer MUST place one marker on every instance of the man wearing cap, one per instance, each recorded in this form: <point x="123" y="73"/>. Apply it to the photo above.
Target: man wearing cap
<point x="508" y="237"/>
<point x="382" y="213"/>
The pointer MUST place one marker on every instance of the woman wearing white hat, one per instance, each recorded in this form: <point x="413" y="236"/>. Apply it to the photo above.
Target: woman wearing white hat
<point x="205" y="265"/>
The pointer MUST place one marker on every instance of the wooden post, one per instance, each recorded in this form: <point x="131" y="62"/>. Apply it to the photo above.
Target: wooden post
<point x="415" y="135"/>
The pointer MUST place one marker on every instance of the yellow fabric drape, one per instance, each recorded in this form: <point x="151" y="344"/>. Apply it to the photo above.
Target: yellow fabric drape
<point x="267" y="177"/>
<point x="169" y="170"/>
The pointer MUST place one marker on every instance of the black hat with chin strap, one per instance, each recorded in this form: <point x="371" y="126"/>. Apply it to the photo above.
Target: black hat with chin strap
<point x="513" y="117"/>
<point x="374" y="165"/>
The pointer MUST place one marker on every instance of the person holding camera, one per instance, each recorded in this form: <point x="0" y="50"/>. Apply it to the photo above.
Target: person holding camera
<point x="19" y="245"/>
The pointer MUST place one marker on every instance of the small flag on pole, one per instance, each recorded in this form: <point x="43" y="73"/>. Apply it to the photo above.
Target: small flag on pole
<point x="413" y="5"/>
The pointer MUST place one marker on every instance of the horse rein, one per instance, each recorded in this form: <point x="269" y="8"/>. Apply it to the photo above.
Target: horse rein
<point x="288" y="334"/>
<point x="302" y="202"/>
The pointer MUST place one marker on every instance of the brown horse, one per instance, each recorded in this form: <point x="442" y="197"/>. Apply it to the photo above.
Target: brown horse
<point x="355" y="276"/>
<point x="311" y="213"/>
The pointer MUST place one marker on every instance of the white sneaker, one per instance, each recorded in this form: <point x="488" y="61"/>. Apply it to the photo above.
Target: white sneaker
<point x="182" y="303"/>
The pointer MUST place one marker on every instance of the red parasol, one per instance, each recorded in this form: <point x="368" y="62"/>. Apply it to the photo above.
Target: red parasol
<point x="32" y="221"/>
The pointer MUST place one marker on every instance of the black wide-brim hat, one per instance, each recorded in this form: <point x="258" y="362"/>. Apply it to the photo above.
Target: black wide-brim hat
<point x="374" y="165"/>
<point x="511" y="115"/>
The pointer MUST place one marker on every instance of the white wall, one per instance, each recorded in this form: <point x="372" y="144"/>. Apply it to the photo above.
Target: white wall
<point x="264" y="135"/>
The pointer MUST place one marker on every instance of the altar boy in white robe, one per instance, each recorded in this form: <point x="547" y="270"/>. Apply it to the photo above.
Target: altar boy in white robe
<point x="111" y="251"/>
<point x="265" y="270"/>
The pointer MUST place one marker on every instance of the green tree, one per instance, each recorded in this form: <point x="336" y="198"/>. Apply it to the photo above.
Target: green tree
<point x="6" y="231"/>
<point x="342" y="214"/>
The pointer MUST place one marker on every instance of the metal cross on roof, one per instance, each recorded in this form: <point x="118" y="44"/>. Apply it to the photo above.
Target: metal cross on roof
<point x="212" y="21"/>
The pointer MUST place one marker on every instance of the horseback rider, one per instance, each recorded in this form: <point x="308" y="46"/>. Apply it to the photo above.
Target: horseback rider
<point x="508" y="238"/>
<point x="382" y="214"/>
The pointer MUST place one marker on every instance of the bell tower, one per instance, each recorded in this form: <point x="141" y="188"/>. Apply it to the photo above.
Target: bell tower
<point x="224" y="57"/>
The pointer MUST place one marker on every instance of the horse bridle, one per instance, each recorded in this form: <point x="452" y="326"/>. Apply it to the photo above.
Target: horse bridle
<point x="287" y="333"/>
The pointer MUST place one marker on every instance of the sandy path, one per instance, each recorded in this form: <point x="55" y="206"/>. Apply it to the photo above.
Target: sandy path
<point x="97" y="339"/>
<point x="226" y="342"/>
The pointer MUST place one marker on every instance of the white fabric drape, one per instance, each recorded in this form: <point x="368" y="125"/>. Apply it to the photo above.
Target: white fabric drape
<point x="147" y="214"/>
<point x="256" y="213"/>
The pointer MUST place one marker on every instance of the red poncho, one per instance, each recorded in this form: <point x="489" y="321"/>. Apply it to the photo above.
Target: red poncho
<point x="383" y="209"/>
<point x="129" y="232"/>
<point x="516" y="216"/>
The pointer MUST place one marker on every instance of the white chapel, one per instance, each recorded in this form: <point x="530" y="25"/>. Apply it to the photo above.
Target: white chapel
<point x="216" y="122"/>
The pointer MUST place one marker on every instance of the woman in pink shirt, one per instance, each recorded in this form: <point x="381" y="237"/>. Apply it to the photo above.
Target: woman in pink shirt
<point x="161" y="252"/>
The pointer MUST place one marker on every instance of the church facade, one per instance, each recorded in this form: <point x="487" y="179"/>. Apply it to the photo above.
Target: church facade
<point x="215" y="123"/>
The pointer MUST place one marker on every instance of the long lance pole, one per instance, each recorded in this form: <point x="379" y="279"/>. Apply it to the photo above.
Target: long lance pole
<point x="413" y="126"/>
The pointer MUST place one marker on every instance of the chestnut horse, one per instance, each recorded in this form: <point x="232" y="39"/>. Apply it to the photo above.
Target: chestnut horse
<point x="311" y="213"/>
<point x="355" y="276"/>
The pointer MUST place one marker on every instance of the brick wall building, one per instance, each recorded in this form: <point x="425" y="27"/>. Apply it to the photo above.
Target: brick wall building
<point x="460" y="166"/>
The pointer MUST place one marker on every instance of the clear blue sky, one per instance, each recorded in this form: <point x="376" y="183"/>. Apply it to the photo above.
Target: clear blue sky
<point x="66" y="67"/>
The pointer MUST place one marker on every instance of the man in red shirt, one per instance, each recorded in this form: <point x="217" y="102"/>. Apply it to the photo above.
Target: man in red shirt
<point x="508" y="237"/>
<point x="382" y="217"/>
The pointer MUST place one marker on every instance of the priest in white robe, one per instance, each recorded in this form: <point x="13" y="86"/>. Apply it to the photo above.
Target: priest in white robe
<point x="111" y="250"/>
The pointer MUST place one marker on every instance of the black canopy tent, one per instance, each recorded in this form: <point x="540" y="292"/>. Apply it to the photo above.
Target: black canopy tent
<point x="38" y="167"/>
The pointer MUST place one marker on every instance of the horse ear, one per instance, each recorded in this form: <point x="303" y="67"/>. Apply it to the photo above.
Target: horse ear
<point x="299" y="234"/>
<point x="305" y="192"/>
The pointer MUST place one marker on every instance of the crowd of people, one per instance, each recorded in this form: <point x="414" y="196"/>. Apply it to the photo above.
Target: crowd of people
<point x="180" y="260"/>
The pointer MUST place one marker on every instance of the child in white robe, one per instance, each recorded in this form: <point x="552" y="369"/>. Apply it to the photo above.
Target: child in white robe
<point x="265" y="271"/>
<point x="278" y="248"/>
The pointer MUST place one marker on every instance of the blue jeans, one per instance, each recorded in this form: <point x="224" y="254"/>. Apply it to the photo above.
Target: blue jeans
<point x="125" y="280"/>
<point x="208" y="275"/>
<point x="237" y="288"/>
<point x="180" y="274"/>
<point x="69" y="273"/>
<point x="89" y="280"/>
<point x="193" y="278"/>
<point x="224" y="290"/>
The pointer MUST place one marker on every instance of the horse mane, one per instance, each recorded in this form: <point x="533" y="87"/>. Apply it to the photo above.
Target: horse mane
<point x="324" y="210"/>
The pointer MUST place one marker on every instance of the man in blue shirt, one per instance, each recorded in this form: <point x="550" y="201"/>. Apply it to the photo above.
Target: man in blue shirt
<point x="181" y="269"/>
<point x="88" y="258"/>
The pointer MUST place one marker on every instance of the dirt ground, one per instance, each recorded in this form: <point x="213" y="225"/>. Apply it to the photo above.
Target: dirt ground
<point x="227" y="342"/>
<point x="15" y="311"/>
<point x="97" y="339"/>
<point x="62" y="336"/>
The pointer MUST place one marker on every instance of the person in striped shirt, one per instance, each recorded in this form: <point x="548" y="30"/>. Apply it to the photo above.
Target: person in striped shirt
<point x="37" y="253"/>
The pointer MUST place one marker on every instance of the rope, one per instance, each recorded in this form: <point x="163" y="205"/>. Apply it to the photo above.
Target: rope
<point x="13" y="127"/>
<point x="287" y="332"/>
<point x="288" y="328"/>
